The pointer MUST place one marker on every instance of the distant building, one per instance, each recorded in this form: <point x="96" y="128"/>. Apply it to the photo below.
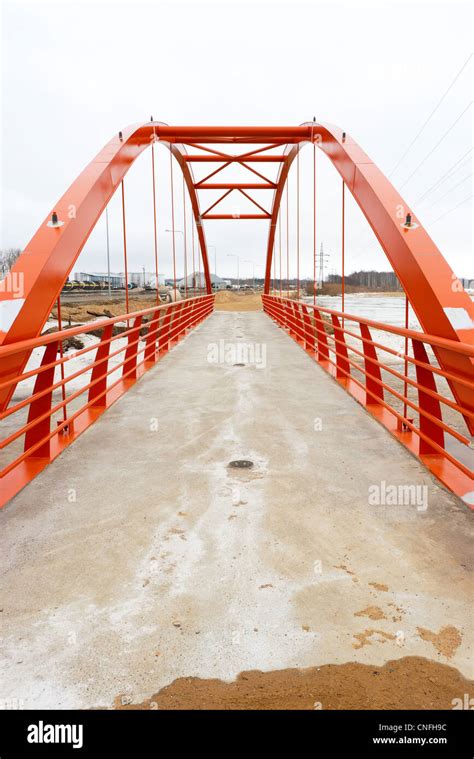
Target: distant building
<point x="197" y="280"/>
<point x="152" y="281"/>
<point x="117" y="280"/>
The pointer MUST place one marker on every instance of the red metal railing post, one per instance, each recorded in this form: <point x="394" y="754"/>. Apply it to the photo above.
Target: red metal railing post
<point x="151" y="338"/>
<point x="193" y="316"/>
<point x="61" y="354"/>
<point x="97" y="392"/>
<point x="266" y="306"/>
<point x="201" y="312"/>
<point x="290" y="318"/>
<point x="322" y="338"/>
<point x="188" y="310"/>
<point x="298" y="317"/>
<point x="130" y="363"/>
<point x="42" y="405"/>
<point x="276" y="310"/>
<point x="177" y="321"/>
<point x="309" y="336"/>
<point x="425" y="379"/>
<point x="186" y="314"/>
<point x="372" y="370"/>
<point x="288" y="313"/>
<point x="164" y="331"/>
<point x="340" y="348"/>
<point x="208" y="310"/>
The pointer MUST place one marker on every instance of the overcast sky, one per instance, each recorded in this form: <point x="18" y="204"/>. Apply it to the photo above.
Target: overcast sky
<point x="75" y="74"/>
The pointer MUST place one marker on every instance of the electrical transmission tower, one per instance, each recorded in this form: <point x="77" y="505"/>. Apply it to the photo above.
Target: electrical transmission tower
<point x="323" y="259"/>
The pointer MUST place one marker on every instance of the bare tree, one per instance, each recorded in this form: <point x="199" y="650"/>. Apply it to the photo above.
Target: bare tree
<point x="8" y="257"/>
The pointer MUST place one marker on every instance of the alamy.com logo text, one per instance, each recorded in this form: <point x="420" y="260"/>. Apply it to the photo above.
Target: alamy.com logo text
<point x="384" y="494"/>
<point x="249" y="354"/>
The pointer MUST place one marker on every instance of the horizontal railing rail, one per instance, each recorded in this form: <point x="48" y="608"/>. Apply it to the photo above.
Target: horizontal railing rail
<point x="127" y="346"/>
<point x="353" y="359"/>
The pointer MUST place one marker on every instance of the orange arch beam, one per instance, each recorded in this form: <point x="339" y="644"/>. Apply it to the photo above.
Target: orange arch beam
<point x="44" y="265"/>
<point x="50" y="255"/>
<point x="442" y="308"/>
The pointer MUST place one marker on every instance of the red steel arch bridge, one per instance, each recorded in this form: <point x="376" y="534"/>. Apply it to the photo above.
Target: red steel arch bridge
<point x="421" y="390"/>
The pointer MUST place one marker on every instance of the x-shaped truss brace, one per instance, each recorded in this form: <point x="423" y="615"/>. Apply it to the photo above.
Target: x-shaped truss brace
<point x="254" y="156"/>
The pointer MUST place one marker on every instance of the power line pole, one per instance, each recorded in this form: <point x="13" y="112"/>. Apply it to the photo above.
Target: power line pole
<point x="323" y="258"/>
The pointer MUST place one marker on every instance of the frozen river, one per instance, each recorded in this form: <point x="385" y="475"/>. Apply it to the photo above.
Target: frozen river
<point x="389" y="309"/>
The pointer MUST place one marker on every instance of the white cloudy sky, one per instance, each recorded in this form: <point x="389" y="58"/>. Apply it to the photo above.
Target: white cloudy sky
<point x="75" y="74"/>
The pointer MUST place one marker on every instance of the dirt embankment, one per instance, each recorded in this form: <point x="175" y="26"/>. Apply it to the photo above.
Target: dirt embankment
<point x="79" y="313"/>
<point x="87" y="310"/>
<point x="409" y="683"/>
<point x="229" y="300"/>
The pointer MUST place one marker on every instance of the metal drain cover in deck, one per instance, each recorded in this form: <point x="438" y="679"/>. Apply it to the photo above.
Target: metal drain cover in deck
<point x="241" y="464"/>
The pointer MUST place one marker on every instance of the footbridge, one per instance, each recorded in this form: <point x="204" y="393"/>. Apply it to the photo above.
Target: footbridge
<point x="285" y="487"/>
<point x="426" y="401"/>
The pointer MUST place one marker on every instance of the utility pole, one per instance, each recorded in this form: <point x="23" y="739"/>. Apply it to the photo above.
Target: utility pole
<point x="323" y="258"/>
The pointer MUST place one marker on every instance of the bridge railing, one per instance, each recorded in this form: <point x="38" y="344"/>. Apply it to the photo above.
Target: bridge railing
<point x="64" y="389"/>
<point x="406" y="390"/>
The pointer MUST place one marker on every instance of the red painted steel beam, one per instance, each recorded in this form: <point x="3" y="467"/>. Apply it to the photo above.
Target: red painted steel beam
<point x="190" y="158"/>
<point x="257" y="134"/>
<point x="237" y="216"/>
<point x="234" y="186"/>
<point x="205" y="148"/>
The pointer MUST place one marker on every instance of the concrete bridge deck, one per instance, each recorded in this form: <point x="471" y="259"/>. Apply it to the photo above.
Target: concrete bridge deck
<point x="139" y="556"/>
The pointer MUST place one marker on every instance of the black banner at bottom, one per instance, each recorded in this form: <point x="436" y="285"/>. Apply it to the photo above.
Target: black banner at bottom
<point x="135" y="733"/>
